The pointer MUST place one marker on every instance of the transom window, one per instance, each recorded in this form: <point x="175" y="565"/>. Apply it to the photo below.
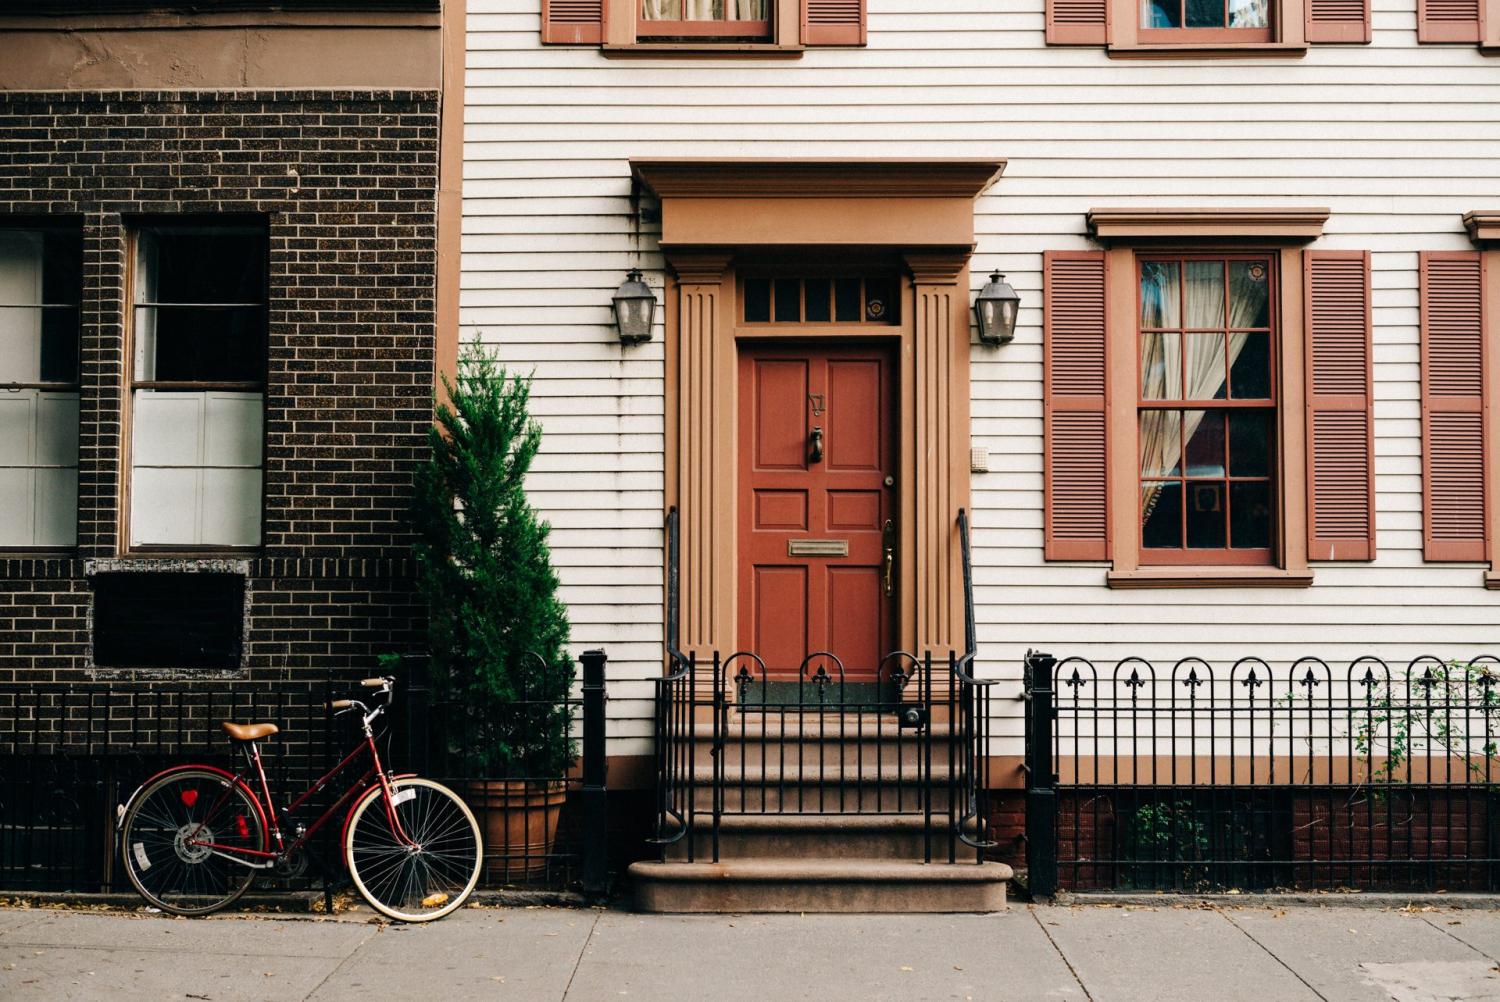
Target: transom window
<point x="1206" y="20"/>
<point x="40" y="287"/>
<point x="198" y="393"/>
<point x="1207" y="409"/>
<point x="821" y="300"/>
<point x="747" y="19"/>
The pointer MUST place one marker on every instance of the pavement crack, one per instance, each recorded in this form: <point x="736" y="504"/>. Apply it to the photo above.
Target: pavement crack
<point x="373" y="931"/>
<point x="1031" y="909"/>
<point x="1459" y="939"/>
<point x="581" y="951"/>
<point x="1288" y="967"/>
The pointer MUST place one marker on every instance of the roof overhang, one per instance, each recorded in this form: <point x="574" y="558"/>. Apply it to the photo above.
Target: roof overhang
<point x="1483" y="225"/>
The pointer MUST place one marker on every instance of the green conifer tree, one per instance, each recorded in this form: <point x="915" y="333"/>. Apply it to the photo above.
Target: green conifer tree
<point x="497" y="631"/>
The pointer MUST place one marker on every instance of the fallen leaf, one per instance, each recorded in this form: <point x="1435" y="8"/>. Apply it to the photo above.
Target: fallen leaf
<point x="435" y="899"/>
<point x="905" y="968"/>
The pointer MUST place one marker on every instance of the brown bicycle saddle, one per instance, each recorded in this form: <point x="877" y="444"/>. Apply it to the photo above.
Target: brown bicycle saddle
<point x="248" y="732"/>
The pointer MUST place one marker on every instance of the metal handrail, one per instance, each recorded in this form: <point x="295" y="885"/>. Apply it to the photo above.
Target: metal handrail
<point x="673" y="599"/>
<point x="971" y="640"/>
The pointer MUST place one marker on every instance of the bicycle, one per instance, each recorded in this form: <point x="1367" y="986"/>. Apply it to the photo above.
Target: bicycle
<point x="193" y="837"/>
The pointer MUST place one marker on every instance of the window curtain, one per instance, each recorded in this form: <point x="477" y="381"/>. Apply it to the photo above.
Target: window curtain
<point x="706" y="10"/>
<point x="1203" y="364"/>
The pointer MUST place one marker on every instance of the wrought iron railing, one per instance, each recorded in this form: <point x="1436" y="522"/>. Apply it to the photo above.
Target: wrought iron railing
<point x="734" y="738"/>
<point x="1197" y="776"/>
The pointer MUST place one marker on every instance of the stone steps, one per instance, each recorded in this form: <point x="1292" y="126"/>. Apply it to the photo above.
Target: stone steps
<point x="895" y="837"/>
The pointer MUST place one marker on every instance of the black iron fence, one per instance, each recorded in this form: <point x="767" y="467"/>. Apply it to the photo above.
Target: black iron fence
<point x="72" y="753"/>
<point x="1198" y="777"/>
<point x="733" y="738"/>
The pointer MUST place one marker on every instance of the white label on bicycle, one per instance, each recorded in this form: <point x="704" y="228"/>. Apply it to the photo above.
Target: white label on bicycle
<point x="140" y="855"/>
<point x="403" y="796"/>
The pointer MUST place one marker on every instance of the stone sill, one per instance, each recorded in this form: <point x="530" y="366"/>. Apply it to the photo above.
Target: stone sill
<point x="1209" y="577"/>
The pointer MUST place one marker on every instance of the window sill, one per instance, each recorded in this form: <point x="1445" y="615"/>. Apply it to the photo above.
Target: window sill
<point x="1200" y="50"/>
<point x="1209" y="577"/>
<point x="698" y="50"/>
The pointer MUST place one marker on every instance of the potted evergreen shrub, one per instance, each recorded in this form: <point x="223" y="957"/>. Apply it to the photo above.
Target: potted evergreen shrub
<point x="498" y="634"/>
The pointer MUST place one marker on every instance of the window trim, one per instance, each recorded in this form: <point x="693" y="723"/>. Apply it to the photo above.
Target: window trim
<point x="623" y="35"/>
<point x="130" y="384"/>
<point x="1287" y="35"/>
<point x="1277" y="233"/>
<point x="1483" y="226"/>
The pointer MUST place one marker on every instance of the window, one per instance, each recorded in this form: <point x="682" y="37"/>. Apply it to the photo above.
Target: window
<point x="198" y="392"/>
<point x="821" y="300"/>
<point x="168" y="619"/>
<point x="1205" y="20"/>
<point x="1221" y="27"/>
<point x="748" y="19"/>
<point x="1207" y="410"/>
<point x="1208" y="415"/>
<point x="40" y="286"/>
<point x="707" y="25"/>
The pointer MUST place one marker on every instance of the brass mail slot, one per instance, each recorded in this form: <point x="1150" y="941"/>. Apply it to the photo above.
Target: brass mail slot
<point x="817" y="547"/>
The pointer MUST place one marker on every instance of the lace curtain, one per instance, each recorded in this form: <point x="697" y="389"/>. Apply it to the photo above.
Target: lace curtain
<point x="1203" y="366"/>
<point x="706" y="10"/>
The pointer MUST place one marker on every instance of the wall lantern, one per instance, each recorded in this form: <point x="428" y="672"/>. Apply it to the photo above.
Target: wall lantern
<point x="635" y="309"/>
<point x="995" y="311"/>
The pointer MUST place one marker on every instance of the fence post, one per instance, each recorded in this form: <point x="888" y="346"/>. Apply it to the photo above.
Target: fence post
<point x="595" y="795"/>
<point x="1041" y="793"/>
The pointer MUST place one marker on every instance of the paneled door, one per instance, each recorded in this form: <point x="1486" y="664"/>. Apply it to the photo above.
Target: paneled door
<point x="817" y="537"/>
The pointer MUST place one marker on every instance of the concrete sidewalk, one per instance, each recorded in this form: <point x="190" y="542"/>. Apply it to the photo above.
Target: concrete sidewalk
<point x="1165" y="952"/>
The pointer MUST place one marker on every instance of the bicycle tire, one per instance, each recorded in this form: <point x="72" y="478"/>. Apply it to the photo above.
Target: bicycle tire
<point x="422" y="884"/>
<point x="159" y="827"/>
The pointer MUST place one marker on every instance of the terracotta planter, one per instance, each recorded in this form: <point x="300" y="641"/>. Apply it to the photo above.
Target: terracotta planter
<point x="519" y="818"/>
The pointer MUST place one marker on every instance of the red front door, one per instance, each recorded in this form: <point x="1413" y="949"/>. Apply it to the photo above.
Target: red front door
<point x="817" y="506"/>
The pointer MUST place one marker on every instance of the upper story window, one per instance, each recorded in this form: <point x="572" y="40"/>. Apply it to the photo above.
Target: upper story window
<point x="198" y="387"/>
<point x="40" y="287"/>
<point x="1206" y="20"/>
<point x="699" y="19"/>
<point x="1207" y="410"/>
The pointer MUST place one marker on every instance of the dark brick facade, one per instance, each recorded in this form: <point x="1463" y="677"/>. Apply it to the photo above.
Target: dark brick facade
<point x="346" y="184"/>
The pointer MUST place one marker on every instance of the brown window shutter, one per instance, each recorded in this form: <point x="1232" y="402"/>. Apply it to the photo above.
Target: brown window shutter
<point x="1077" y="22"/>
<point x="1448" y="20"/>
<point x="833" y="22"/>
<point x="1076" y="510"/>
<point x="1340" y="407"/>
<point x="1453" y="387"/>
<point x="1338" y="20"/>
<point x="573" y="22"/>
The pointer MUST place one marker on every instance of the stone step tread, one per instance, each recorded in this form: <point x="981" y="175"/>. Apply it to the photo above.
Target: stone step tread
<point x="823" y="871"/>
<point x="820" y="823"/>
<point x="811" y="731"/>
<point x="831" y="774"/>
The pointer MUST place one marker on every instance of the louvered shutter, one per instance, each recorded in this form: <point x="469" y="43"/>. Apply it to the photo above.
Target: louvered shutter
<point x="573" y="22"/>
<point x="833" y="22"/>
<point x="1077" y="22"/>
<point x="1340" y="407"/>
<point x="1448" y="20"/>
<point x="1076" y="509"/>
<point x="1453" y="386"/>
<point x="1338" y="20"/>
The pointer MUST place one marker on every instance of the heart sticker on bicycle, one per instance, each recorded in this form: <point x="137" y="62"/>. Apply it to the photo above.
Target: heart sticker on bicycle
<point x="189" y="798"/>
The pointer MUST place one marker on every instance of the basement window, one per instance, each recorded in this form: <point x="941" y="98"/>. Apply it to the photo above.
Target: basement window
<point x="168" y="620"/>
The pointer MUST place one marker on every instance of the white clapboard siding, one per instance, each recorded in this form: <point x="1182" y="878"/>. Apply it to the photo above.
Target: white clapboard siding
<point x="1398" y="139"/>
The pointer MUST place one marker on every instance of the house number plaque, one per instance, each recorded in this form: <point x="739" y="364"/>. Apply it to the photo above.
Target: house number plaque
<point x="817" y="547"/>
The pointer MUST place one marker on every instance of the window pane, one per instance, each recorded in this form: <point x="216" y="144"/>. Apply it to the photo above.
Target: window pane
<point x="1249" y="444"/>
<point x="1204" y="364"/>
<point x="880" y="300"/>
<point x="228" y="266"/>
<point x="59" y="360"/>
<point x="1249" y="14"/>
<point x="1160" y="294"/>
<point x="1249" y="294"/>
<point x="39" y="289"/>
<point x="1161" y="365"/>
<point x="1161" y="443"/>
<point x="62" y="267"/>
<point x="1250" y="515"/>
<point x="1205" y="443"/>
<point x="199" y="344"/>
<point x="705" y="10"/>
<point x="1160" y="14"/>
<point x="788" y="300"/>
<point x="1204" y="294"/>
<point x="1250" y="373"/>
<point x="1205" y="516"/>
<point x="1161" y="516"/>
<point x="819" y="300"/>
<point x="757" y="300"/>
<point x="1205" y="13"/>
<point x="847" y="306"/>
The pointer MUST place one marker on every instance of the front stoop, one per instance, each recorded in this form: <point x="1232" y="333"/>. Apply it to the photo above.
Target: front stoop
<point x="820" y="886"/>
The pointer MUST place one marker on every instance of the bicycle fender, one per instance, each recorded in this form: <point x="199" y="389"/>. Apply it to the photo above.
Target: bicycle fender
<point x="232" y="780"/>
<point x="354" y="805"/>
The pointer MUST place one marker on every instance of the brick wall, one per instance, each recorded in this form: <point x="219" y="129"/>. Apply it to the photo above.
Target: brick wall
<point x="346" y="183"/>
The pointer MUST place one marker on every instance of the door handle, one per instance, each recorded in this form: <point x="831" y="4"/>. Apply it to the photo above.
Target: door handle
<point x="888" y="560"/>
<point x="816" y="444"/>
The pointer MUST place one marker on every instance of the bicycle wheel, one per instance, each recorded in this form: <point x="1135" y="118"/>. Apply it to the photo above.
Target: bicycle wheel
<point x="162" y="840"/>
<point x="424" y="878"/>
